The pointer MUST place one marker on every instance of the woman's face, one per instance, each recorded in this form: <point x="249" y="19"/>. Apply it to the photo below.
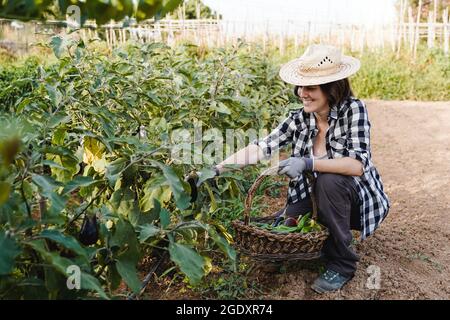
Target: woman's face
<point x="313" y="98"/>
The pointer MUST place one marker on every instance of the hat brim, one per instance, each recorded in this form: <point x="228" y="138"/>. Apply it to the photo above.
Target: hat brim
<point x="289" y="72"/>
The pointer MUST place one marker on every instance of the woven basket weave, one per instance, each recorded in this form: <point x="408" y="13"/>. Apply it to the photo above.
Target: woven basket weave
<point x="265" y="245"/>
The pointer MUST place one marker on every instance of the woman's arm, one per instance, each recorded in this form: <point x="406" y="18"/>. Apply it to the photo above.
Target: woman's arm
<point x="251" y="154"/>
<point x="264" y="148"/>
<point x="346" y="166"/>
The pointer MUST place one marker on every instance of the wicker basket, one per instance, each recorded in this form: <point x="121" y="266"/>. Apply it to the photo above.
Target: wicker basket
<point x="265" y="245"/>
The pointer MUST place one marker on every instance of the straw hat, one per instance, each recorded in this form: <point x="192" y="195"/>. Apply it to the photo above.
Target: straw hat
<point x="319" y="64"/>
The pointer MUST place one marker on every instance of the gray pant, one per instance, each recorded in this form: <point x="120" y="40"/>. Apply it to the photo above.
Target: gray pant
<point x="339" y="210"/>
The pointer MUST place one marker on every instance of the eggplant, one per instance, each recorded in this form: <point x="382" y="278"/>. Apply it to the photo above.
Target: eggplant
<point x="89" y="230"/>
<point x="192" y="179"/>
<point x="290" y="222"/>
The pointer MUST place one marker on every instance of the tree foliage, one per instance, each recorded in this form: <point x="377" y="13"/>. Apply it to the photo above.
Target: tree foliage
<point x="99" y="10"/>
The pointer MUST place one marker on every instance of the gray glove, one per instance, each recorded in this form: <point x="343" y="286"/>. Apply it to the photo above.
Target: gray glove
<point x="294" y="166"/>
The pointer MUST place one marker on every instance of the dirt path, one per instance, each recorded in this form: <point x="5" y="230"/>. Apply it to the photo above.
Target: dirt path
<point x="411" y="250"/>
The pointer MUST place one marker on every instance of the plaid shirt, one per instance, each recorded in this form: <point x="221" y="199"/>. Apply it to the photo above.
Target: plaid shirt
<point x="348" y="136"/>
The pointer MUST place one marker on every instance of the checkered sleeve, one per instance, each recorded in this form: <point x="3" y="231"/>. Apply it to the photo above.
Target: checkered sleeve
<point x="278" y="138"/>
<point x="358" y="134"/>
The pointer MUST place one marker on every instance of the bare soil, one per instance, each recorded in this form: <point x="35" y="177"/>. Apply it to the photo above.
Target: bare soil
<point x="411" y="249"/>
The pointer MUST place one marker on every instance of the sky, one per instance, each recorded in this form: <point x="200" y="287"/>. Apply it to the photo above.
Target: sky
<point x="368" y="12"/>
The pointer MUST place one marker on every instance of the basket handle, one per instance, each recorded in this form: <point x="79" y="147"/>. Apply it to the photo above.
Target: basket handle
<point x="259" y="180"/>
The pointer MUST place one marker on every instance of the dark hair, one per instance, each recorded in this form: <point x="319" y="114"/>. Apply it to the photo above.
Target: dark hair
<point x="336" y="92"/>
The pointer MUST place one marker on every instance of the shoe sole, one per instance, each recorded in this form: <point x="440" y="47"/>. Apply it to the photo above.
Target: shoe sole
<point x="318" y="289"/>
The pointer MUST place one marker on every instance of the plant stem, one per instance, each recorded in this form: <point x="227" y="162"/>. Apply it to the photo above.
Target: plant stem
<point x="84" y="210"/>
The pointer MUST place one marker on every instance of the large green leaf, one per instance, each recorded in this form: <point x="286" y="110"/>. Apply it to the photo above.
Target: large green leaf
<point x="190" y="262"/>
<point x="9" y="250"/>
<point x="205" y="174"/>
<point x="114" y="169"/>
<point x="124" y="236"/>
<point x="53" y="164"/>
<point x="59" y="263"/>
<point x="67" y="241"/>
<point x="58" y="45"/>
<point x="151" y="193"/>
<point x="55" y="97"/>
<point x="60" y="118"/>
<point x="127" y="269"/>
<point x="164" y="217"/>
<point x="124" y="202"/>
<point x="46" y="183"/>
<point x="77" y="182"/>
<point x="90" y="282"/>
<point x="222" y="243"/>
<point x="62" y="264"/>
<point x="58" y="203"/>
<point x="181" y="198"/>
<point x="148" y="231"/>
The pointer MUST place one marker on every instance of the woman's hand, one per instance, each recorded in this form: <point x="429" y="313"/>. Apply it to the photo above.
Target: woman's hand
<point x="294" y="166"/>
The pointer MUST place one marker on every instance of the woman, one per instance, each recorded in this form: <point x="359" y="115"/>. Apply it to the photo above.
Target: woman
<point x="330" y="137"/>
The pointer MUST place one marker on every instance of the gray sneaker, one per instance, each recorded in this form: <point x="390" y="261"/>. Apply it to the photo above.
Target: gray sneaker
<point x="329" y="281"/>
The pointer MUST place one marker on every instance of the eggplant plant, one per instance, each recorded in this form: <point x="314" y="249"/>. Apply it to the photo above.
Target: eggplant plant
<point x="87" y="178"/>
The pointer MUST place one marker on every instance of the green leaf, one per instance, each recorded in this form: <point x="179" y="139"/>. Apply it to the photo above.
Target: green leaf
<point x="127" y="270"/>
<point x="147" y="231"/>
<point x="114" y="169"/>
<point x="53" y="280"/>
<point x="212" y="198"/>
<point x="58" y="45"/>
<point x="181" y="198"/>
<point x="5" y="189"/>
<point x="60" y="151"/>
<point x="205" y="174"/>
<point x="114" y="277"/>
<point x="89" y="282"/>
<point x="58" y="203"/>
<point x="222" y="108"/>
<point x="151" y="193"/>
<point x="59" y="263"/>
<point x="123" y="201"/>
<point x="77" y="182"/>
<point x="164" y="217"/>
<point x="58" y="136"/>
<point x="9" y="250"/>
<point x="67" y="241"/>
<point x="56" y="120"/>
<point x="53" y="164"/>
<point x="124" y="236"/>
<point x="189" y="261"/>
<point x="55" y="97"/>
<point x="222" y="243"/>
<point x="22" y="104"/>
<point x="48" y="184"/>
